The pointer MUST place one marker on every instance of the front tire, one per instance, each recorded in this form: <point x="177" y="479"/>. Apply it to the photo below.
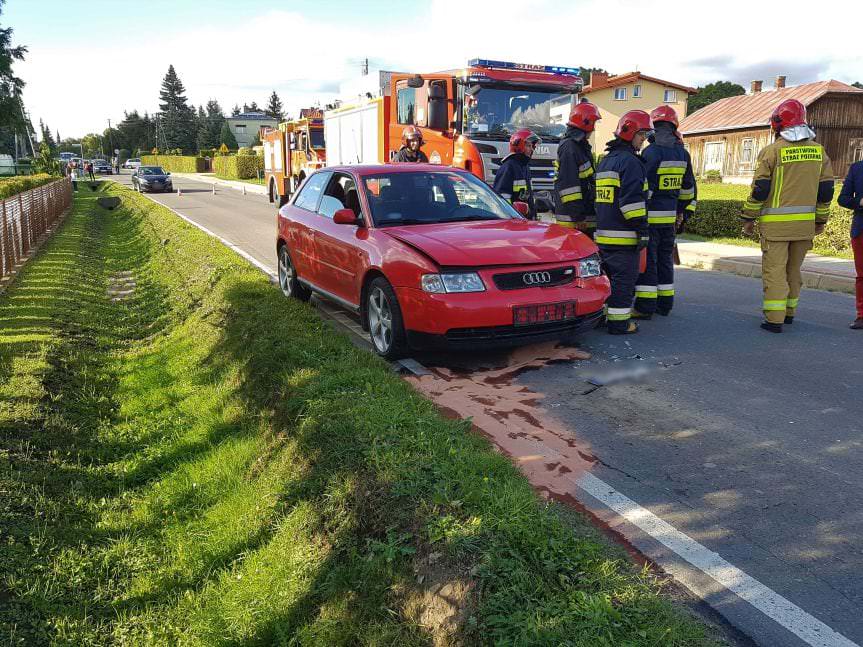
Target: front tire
<point x="288" y="280"/>
<point x="384" y="317"/>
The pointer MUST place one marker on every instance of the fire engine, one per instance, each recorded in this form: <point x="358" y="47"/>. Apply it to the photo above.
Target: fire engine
<point x="291" y="152"/>
<point x="466" y="116"/>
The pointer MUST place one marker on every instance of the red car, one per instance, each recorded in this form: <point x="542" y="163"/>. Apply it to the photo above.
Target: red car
<point x="431" y="257"/>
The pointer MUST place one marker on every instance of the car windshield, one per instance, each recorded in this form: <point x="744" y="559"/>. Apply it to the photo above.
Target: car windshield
<point x="427" y="197"/>
<point x="499" y="112"/>
<point x="317" y="138"/>
<point x="151" y="170"/>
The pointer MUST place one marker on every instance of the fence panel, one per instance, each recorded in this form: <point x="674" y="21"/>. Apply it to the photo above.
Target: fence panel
<point x="25" y="217"/>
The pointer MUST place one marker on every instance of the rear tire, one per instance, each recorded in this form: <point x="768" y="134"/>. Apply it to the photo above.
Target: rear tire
<point x="288" y="281"/>
<point x="384" y="319"/>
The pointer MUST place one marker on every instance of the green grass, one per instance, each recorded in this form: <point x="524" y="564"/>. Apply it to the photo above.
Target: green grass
<point x="207" y="463"/>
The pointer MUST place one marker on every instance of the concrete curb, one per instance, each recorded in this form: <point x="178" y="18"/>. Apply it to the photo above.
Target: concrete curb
<point x="258" y="189"/>
<point x="816" y="280"/>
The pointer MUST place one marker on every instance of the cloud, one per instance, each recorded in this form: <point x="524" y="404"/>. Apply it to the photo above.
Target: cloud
<point x="247" y="60"/>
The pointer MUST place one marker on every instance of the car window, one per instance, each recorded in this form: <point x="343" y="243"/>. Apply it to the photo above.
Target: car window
<point x="420" y="197"/>
<point x="311" y="191"/>
<point x="151" y="170"/>
<point x="341" y="193"/>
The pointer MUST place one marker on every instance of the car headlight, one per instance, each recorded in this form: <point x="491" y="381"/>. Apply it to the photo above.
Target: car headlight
<point x="590" y="266"/>
<point x="449" y="283"/>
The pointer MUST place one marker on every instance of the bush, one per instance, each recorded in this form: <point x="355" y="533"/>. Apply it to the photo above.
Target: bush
<point x="712" y="177"/>
<point x="176" y="163"/>
<point x="245" y="150"/>
<point x="238" y="167"/>
<point x="720" y="206"/>
<point x="20" y="183"/>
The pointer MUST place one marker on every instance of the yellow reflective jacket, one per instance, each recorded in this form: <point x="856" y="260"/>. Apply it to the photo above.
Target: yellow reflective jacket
<point x="791" y="191"/>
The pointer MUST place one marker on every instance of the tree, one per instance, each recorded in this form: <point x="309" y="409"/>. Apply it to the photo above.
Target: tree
<point x="257" y="140"/>
<point x="251" y="107"/>
<point x="210" y="130"/>
<point x="92" y="143"/>
<point x="713" y="92"/>
<point x="10" y="85"/>
<point x="177" y="126"/>
<point x="227" y="138"/>
<point x="134" y="132"/>
<point x="45" y="162"/>
<point x="235" y="111"/>
<point x="275" y="108"/>
<point x="857" y="84"/>
<point x="47" y="137"/>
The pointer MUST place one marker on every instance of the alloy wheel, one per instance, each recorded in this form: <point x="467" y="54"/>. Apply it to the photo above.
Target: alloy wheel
<point x="380" y="320"/>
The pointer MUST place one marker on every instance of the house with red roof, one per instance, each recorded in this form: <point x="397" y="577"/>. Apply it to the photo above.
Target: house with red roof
<point x="618" y="94"/>
<point x="727" y="135"/>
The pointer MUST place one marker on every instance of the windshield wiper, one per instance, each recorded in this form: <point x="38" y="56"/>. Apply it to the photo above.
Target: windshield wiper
<point x="467" y="218"/>
<point x="405" y="221"/>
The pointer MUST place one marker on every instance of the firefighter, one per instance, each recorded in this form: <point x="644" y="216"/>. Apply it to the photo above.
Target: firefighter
<point x="791" y="194"/>
<point x="671" y="199"/>
<point x="621" y="216"/>
<point x="574" y="181"/>
<point x="412" y="141"/>
<point x="512" y="180"/>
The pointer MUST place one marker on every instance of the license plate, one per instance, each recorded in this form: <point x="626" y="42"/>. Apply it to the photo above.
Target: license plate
<point x="543" y="313"/>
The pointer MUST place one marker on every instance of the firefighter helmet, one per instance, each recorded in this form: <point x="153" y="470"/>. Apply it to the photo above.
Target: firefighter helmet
<point x="631" y="123"/>
<point x="664" y="113"/>
<point x="584" y="117"/>
<point x="412" y="132"/>
<point x="788" y="114"/>
<point x="520" y="138"/>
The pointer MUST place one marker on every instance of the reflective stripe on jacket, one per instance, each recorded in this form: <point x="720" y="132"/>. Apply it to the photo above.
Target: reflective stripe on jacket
<point x="621" y="197"/>
<point x="791" y="191"/>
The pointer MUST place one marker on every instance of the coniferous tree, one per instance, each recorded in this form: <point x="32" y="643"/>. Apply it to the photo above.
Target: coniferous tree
<point x="47" y="137"/>
<point x="235" y="112"/>
<point x="209" y="133"/>
<point x="177" y="125"/>
<point x="275" y="108"/>
<point x="10" y="85"/>
<point x="227" y="138"/>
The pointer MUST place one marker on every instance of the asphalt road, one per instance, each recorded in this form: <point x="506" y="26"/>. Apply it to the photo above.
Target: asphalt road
<point x="749" y="443"/>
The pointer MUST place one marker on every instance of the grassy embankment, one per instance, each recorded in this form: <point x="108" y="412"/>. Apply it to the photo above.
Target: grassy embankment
<point x="194" y="459"/>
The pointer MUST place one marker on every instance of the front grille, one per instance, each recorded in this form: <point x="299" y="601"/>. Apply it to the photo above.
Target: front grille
<point x="504" y="333"/>
<point x="516" y="280"/>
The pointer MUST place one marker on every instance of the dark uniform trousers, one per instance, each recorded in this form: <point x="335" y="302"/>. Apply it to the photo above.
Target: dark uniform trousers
<point x="621" y="265"/>
<point x="659" y="272"/>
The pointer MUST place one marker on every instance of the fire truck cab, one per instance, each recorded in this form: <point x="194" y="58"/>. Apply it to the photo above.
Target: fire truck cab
<point x="291" y="152"/>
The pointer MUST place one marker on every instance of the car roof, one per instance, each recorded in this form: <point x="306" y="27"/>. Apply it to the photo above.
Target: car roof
<point x="375" y="169"/>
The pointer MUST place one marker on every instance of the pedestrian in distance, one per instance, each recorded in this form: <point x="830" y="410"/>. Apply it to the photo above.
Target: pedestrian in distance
<point x="73" y="175"/>
<point x="88" y="167"/>
<point x="621" y="216"/>
<point x="671" y="199"/>
<point x="512" y="180"/>
<point x="575" y="175"/>
<point x="851" y="197"/>
<point x="790" y="198"/>
<point x="412" y="141"/>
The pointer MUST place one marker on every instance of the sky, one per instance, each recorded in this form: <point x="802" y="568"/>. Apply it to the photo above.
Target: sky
<point x="91" y="60"/>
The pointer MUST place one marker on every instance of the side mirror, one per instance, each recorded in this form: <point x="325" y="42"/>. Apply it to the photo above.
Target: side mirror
<point x="522" y="208"/>
<point x="345" y="217"/>
<point x="416" y="81"/>
<point x="168" y="173"/>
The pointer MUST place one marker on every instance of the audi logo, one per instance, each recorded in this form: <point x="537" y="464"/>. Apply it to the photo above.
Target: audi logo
<point x="536" y="278"/>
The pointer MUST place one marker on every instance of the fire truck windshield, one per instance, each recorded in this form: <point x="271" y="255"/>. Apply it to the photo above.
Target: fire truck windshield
<point x="317" y="137"/>
<point x="498" y="112"/>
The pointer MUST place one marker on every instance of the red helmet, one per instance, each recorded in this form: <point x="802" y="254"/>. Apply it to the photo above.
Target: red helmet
<point x="520" y="138"/>
<point x="788" y="114"/>
<point x="412" y="132"/>
<point x="664" y="113"/>
<point x="584" y="117"/>
<point x="631" y="123"/>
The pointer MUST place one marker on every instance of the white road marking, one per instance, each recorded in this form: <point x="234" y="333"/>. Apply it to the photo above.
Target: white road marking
<point x="774" y="606"/>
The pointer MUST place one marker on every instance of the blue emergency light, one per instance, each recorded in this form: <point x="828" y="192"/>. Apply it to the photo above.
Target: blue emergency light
<point x="505" y="65"/>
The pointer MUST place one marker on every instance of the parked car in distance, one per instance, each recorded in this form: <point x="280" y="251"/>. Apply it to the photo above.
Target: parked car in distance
<point x="102" y="166"/>
<point x="132" y="162"/>
<point x="431" y="257"/>
<point x="151" y="178"/>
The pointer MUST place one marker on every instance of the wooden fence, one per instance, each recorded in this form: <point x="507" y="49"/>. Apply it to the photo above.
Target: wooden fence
<point x="25" y="219"/>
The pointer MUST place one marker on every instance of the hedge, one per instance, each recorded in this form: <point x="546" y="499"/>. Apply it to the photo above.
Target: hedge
<point x="19" y="183"/>
<point x="176" y="163"/>
<point x="718" y="216"/>
<point x="238" y="167"/>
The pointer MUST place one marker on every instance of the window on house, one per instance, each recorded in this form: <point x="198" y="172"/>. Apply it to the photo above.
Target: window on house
<point x="620" y="94"/>
<point x="858" y="154"/>
<point x="670" y="96"/>
<point x="747" y="154"/>
<point x="407" y="99"/>
<point x="240" y="128"/>
<point x="636" y="92"/>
